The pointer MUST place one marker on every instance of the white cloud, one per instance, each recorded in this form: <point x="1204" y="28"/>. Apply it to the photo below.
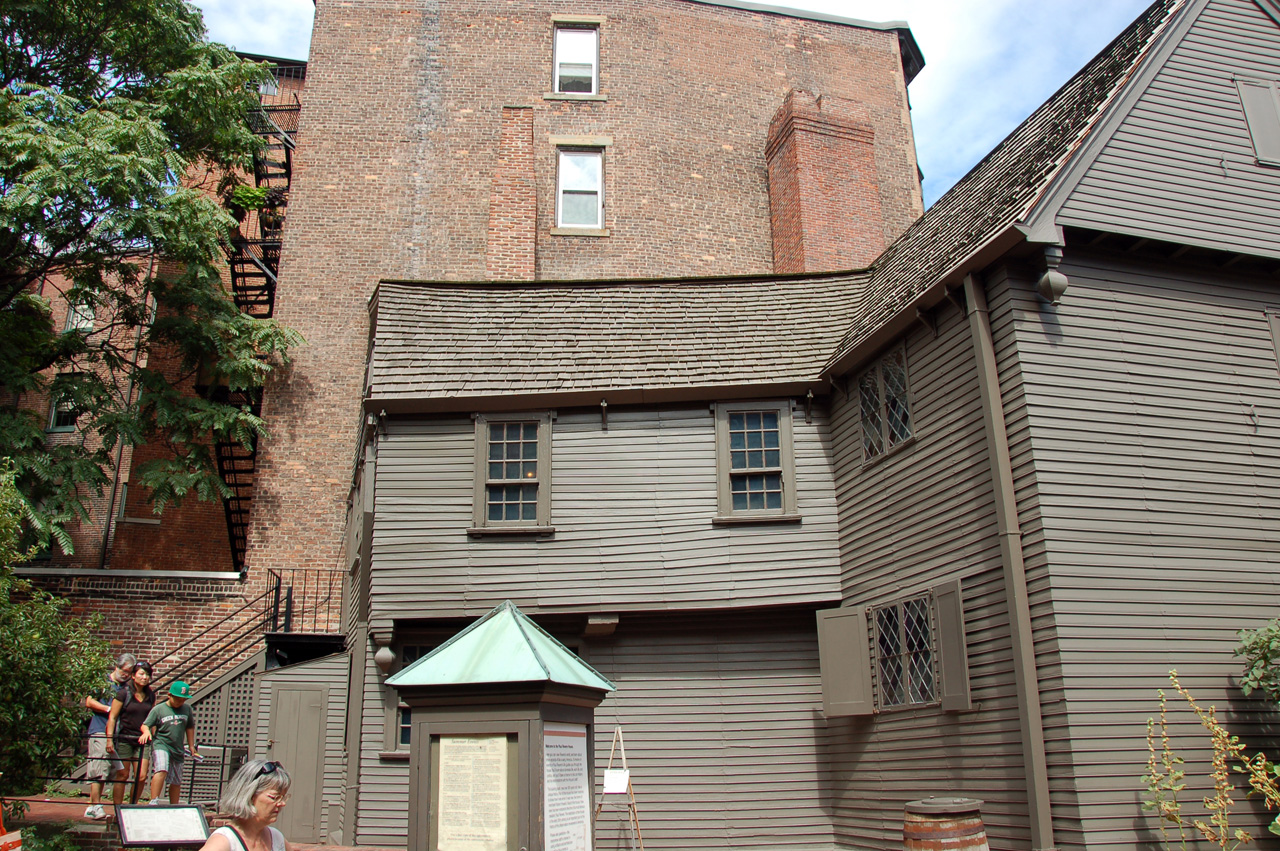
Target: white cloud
<point x="280" y="28"/>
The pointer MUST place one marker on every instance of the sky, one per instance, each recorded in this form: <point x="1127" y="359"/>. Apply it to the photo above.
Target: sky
<point x="988" y="63"/>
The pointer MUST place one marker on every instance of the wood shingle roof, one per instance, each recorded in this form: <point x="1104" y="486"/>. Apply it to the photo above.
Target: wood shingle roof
<point x="442" y="340"/>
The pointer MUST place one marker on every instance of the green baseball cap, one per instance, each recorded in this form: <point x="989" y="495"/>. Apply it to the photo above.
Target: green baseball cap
<point x="180" y="689"/>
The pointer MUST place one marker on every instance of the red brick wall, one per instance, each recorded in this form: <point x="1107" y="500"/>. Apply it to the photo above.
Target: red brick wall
<point x="823" y="194"/>
<point x="513" y="201"/>
<point x="399" y="145"/>
<point x="152" y="618"/>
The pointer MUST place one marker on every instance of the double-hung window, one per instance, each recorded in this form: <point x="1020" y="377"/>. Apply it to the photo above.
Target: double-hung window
<point x="885" y="405"/>
<point x="80" y="316"/>
<point x="754" y="459"/>
<point x="577" y="59"/>
<point x="513" y="471"/>
<point x="580" y="189"/>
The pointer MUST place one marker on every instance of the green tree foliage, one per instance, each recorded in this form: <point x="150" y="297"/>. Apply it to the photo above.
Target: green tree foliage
<point x="1260" y="649"/>
<point x="52" y="662"/>
<point x="119" y="125"/>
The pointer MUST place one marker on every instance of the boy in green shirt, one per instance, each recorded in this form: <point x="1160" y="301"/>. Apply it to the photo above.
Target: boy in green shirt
<point x="166" y="724"/>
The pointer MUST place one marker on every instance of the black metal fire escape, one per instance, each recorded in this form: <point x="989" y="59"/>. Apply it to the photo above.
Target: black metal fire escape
<point x="254" y="258"/>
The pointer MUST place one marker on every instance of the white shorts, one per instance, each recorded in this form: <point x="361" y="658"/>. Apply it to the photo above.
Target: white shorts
<point x="101" y="764"/>
<point x="163" y="761"/>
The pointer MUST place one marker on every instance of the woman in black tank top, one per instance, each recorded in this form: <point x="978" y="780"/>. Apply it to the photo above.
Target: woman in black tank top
<point x="124" y="727"/>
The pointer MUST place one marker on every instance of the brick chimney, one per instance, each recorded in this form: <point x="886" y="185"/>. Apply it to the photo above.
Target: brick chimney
<point x="824" y="198"/>
<point x="513" y="206"/>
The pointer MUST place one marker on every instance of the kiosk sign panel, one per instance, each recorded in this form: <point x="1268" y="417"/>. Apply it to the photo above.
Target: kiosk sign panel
<point x="567" y="791"/>
<point x="473" y="793"/>
<point x="162" y="827"/>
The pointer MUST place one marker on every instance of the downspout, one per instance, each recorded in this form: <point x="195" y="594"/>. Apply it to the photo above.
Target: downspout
<point x="1030" y="720"/>
<point x="110" y="521"/>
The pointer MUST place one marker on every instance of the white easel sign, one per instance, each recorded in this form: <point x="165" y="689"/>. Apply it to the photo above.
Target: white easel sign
<point x="616" y="781"/>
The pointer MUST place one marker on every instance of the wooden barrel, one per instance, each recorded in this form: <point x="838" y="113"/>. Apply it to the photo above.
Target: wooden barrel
<point x="944" y="824"/>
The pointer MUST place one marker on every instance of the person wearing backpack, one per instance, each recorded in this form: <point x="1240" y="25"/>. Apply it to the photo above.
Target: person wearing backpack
<point x="102" y="766"/>
<point x="129" y="709"/>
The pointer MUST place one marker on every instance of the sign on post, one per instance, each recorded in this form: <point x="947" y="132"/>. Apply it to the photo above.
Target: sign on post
<point x="162" y="826"/>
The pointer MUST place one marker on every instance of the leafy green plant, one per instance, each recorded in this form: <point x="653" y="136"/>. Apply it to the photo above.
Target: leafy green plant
<point x="1260" y="649"/>
<point x="1166" y="778"/>
<point x="245" y="197"/>
<point x="33" y="840"/>
<point x="52" y="658"/>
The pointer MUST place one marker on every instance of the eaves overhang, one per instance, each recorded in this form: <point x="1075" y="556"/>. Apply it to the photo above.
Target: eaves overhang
<point x="987" y="253"/>
<point x="912" y="57"/>
<point x="616" y="397"/>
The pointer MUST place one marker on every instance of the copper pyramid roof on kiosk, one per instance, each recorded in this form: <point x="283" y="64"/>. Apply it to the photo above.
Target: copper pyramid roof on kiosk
<point x="504" y="646"/>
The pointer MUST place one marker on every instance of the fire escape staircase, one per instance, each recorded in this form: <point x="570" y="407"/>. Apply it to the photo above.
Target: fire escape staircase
<point x="253" y="255"/>
<point x="236" y="465"/>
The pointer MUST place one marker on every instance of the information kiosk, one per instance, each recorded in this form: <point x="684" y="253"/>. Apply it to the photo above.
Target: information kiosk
<point x="501" y="759"/>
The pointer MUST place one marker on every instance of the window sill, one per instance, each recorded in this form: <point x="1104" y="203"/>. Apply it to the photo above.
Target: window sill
<point x="394" y="756"/>
<point x="889" y="453"/>
<point x="141" y="521"/>
<point x="754" y="519"/>
<point x="579" y="231"/>
<point x="574" y="96"/>
<point x="510" y="531"/>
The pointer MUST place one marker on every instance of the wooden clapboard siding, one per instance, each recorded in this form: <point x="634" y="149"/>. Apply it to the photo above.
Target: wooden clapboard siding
<point x="910" y="521"/>
<point x="382" y="812"/>
<point x="1160" y="516"/>
<point x="1064" y="802"/>
<point x="632" y="509"/>
<point x="722" y="718"/>
<point x="1181" y="166"/>
<point x="333" y="672"/>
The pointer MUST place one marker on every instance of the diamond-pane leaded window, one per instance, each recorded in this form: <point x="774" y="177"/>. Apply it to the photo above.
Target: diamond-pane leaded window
<point x="904" y="653"/>
<point x="512" y="483"/>
<point x="884" y="403"/>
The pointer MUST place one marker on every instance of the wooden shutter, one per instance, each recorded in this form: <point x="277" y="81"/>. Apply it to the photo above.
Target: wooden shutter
<point x="845" y="658"/>
<point x="1262" y="113"/>
<point x="953" y="656"/>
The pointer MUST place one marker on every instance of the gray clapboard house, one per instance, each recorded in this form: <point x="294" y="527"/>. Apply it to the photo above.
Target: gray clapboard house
<point x="843" y="541"/>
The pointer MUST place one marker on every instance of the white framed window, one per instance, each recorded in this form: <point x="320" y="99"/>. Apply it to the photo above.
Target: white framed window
<point x="513" y="471"/>
<point x="885" y="404"/>
<point x="580" y="189"/>
<point x="576" y="59"/>
<point x="80" y="316"/>
<point x="755" y="466"/>
<point x="62" y="414"/>
<point x="906" y="673"/>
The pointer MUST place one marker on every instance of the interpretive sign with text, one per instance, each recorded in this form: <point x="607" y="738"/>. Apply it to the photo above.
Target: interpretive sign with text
<point x="473" y="794"/>
<point x="162" y="826"/>
<point x="566" y="808"/>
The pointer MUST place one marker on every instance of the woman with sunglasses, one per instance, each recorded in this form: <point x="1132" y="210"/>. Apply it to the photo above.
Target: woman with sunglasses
<point x="129" y="709"/>
<point x="253" y="800"/>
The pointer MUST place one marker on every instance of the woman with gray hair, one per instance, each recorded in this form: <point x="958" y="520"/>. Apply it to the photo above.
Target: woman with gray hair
<point x="253" y="799"/>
